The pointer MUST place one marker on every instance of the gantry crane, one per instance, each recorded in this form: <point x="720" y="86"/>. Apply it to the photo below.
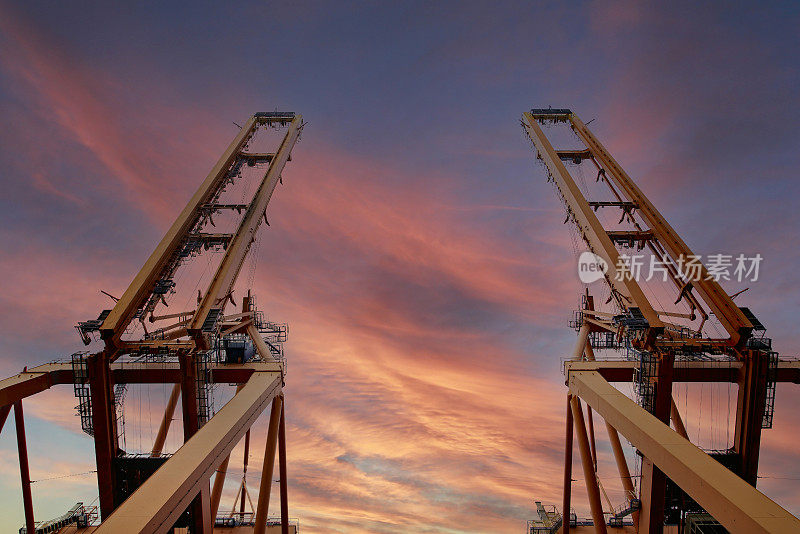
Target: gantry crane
<point x="703" y="336"/>
<point x="144" y="341"/>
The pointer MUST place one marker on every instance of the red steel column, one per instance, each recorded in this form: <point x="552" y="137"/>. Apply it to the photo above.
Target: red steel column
<point x="654" y="481"/>
<point x="201" y="505"/>
<point x="104" y="423"/>
<point x="750" y="412"/>
<point x="282" y="467"/>
<point x="567" y="471"/>
<point x="22" y="448"/>
<point x="4" y="415"/>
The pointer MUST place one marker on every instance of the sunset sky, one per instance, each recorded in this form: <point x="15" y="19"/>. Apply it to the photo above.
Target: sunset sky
<point x="415" y="248"/>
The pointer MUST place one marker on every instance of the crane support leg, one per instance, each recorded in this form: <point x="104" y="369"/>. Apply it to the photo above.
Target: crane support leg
<point x="592" y="487"/>
<point x="581" y="342"/>
<point x="592" y="443"/>
<point x="269" y="463"/>
<point x="565" y="509"/>
<point x="188" y="387"/>
<point x="201" y="511"/>
<point x="201" y="505"/>
<point x="624" y="472"/>
<point x="24" y="473"/>
<point x="654" y="481"/>
<point x="244" y="472"/>
<point x="282" y="467"/>
<point x="750" y="412"/>
<point x="737" y="505"/>
<point x="169" y="412"/>
<point x="104" y="424"/>
<point x="677" y="422"/>
<point x="222" y="471"/>
<point x="216" y="492"/>
<point x="613" y="438"/>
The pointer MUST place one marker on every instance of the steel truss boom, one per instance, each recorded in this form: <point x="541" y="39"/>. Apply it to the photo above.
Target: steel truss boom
<point x="142" y="286"/>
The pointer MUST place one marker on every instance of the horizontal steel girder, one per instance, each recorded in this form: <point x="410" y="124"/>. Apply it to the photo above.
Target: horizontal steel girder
<point x="43" y="377"/>
<point x="694" y="371"/>
<point x="737" y="505"/>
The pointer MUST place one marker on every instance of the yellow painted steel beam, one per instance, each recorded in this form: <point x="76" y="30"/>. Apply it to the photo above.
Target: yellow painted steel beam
<point x="588" y="224"/>
<point x="589" y="474"/>
<point x="738" y="506"/>
<point x="260" y="345"/>
<point x="622" y="467"/>
<point x="219" y="482"/>
<point x="677" y="422"/>
<point x="141" y="286"/>
<point x="731" y="317"/>
<point x="222" y="283"/>
<point x="157" y="504"/>
<point x="166" y="421"/>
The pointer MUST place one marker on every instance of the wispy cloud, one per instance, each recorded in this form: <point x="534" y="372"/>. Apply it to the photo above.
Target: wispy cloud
<point x="423" y="267"/>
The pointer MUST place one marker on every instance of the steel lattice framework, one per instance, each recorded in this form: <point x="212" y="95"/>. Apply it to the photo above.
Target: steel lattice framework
<point x="189" y="349"/>
<point x="664" y="346"/>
